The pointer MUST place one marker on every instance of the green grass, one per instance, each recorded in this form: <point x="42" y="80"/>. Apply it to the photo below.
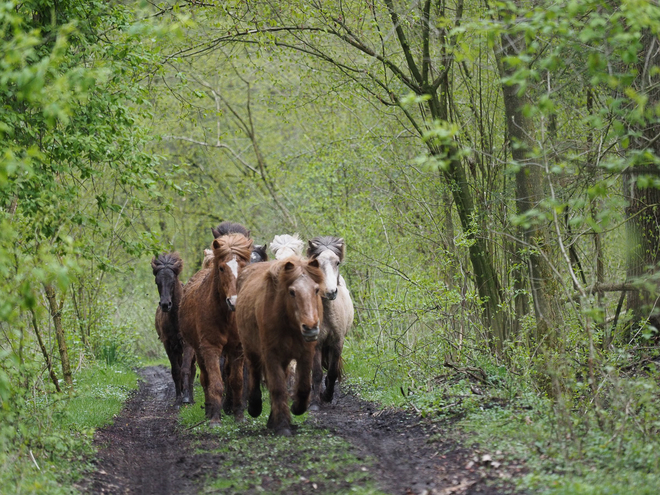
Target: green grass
<point x="565" y="448"/>
<point x="57" y="430"/>
<point x="254" y="460"/>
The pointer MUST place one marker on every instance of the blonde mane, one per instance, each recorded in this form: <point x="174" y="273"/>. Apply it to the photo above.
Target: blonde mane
<point x="286" y="245"/>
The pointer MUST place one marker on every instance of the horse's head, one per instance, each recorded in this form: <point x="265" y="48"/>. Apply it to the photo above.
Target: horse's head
<point x="166" y="269"/>
<point x="258" y="254"/>
<point x="302" y="281"/>
<point x="231" y="254"/>
<point x="329" y="252"/>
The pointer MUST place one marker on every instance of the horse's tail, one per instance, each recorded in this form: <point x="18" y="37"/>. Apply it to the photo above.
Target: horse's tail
<point x="340" y="368"/>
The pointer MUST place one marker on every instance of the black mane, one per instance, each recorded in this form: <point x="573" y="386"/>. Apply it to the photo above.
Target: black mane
<point x="172" y="261"/>
<point x="227" y="227"/>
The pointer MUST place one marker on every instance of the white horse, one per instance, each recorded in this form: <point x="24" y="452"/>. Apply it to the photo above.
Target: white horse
<point x="337" y="317"/>
<point x="286" y="245"/>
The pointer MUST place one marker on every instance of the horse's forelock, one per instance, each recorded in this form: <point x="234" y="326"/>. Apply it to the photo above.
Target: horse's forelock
<point x="319" y="244"/>
<point x="172" y="261"/>
<point x="232" y="244"/>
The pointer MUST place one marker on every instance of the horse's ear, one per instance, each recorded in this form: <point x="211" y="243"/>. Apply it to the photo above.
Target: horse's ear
<point x="154" y="265"/>
<point x="178" y="266"/>
<point x="314" y="263"/>
<point x="311" y="246"/>
<point x="288" y="266"/>
<point x="249" y="234"/>
<point x="216" y="244"/>
<point x="342" y="243"/>
<point x="215" y="232"/>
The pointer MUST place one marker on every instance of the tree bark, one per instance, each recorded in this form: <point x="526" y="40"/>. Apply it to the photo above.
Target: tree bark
<point x="44" y="351"/>
<point x="643" y="210"/>
<point x="529" y="191"/>
<point x="56" y="314"/>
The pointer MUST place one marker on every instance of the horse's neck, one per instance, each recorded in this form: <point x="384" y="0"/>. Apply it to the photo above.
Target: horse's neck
<point x="216" y="299"/>
<point x="177" y="294"/>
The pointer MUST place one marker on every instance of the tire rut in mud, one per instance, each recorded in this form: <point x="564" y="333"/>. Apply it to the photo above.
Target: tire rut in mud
<point x="410" y="459"/>
<point x="144" y="452"/>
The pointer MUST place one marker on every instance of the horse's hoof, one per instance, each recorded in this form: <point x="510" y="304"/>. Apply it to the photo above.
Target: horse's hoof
<point x="314" y="407"/>
<point x="326" y="397"/>
<point x="239" y="417"/>
<point x="254" y="410"/>
<point x="215" y="423"/>
<point x="283" y="432"/>
<point x="298" y="408"/>
<point x="186" y="400"/>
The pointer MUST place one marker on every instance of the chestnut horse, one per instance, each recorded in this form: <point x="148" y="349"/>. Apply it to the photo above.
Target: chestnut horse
<point x="208" y="323"/>
<point x="166" y="269"/>
<point x="278" y="313"/>
<point x="337" y="316"/>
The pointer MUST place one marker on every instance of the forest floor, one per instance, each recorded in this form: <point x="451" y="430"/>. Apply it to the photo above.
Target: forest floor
<point x="148" y="451"/>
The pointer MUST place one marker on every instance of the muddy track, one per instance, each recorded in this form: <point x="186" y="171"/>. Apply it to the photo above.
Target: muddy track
<point x="145" y="453"/>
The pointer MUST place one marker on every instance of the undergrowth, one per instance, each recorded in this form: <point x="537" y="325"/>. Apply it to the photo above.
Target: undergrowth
<point x="569" y="439"/>
<point x="46" y="438"/>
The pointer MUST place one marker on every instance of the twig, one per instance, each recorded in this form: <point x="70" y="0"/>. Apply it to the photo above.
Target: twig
<point x="34" y="460"/>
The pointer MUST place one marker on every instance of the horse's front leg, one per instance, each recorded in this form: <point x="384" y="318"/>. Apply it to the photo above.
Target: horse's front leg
<point x="235" y="384"/>
<point x="317" y="378"/>
<point x="214" y="388"/>
<point x="280" y="418"/>
<point x="174" y="355"/>
<point x="187" y="374"/>
<point x="334" y="356"/>
<point x="254" y="384"/>
<point x="303" y="383"/>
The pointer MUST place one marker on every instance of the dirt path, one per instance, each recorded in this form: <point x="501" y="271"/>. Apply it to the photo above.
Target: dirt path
<point x="144" y="452"/>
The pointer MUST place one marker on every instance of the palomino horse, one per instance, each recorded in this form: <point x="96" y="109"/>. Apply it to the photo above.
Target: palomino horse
<point x="337" y="316"/>
<point x="286" y="245"/>
<point x="166" y="269"/>
<point x="278" y="313"/>
<point x="208" y="322"/>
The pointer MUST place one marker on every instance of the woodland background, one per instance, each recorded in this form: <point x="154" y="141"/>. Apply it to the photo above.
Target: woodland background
<point x="492" y="166"/>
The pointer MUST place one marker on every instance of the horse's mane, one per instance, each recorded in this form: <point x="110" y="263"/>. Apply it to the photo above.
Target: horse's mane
<point x="208" y="258"/>
<point x="286" y="276"/>
<point x="320" y="243"/>
<point x="260" y="251"/>
<point x="227" y="227"/>
<point x="236" y="244"/>
<point x="172" y="261"/>
<point x="292" y="242"/>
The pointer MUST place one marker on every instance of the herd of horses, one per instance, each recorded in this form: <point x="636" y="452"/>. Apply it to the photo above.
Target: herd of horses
<point x="245" y="320"/>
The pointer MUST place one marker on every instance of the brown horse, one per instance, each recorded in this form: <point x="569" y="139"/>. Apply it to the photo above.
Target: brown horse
<point x="166" y="269"/>
<point x="208" y="323"/>
<point x="278" y="313"/>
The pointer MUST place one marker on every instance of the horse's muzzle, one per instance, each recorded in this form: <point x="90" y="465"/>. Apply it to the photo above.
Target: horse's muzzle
<point x="231" y="302"/>
<point x="331" y="296"/>
<point x="310" y="334"/>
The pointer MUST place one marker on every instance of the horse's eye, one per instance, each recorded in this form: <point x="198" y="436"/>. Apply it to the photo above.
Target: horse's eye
<point x="317" y="290"/>
<point x="222" y="268"/>
<point x="292" y="292"/>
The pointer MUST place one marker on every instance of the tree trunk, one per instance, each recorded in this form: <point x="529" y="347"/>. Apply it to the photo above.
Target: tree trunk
<point x="56" y="314"/>
<point x="529" y="192"/>
<point x="44" y="351"/>
<point x="643" y="210"/>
